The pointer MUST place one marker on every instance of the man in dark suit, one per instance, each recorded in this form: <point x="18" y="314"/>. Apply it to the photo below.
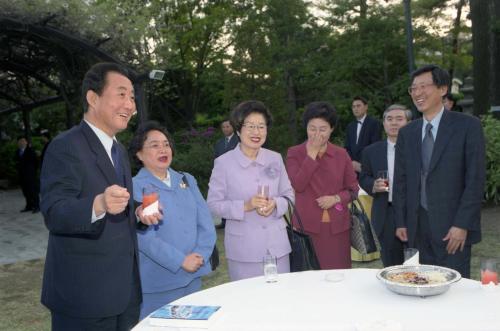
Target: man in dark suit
<point x="27" y="167"/>
<point x="439" y="176"/>
<point x="223" y="145"/>
<point x="228" y="142"/>
<point x="378" y="159"/>
<point x="362" y="132"/>
<point x="91" y="279"/>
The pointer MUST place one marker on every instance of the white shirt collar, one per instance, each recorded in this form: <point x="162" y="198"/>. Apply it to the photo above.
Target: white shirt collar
<point x="362" y="120"/>
<point x="391" y="144"/>
<point x="105" y="140"/>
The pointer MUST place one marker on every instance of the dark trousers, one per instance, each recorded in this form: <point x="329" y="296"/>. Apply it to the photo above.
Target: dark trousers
<point x="30" y="192"/>
<point x="124" y="321"/>
<point x="434" y="251"/>
<point x="391" y="247"/>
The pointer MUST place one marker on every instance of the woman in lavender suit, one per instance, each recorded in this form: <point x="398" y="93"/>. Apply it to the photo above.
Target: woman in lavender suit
<point x="254" y="224"/>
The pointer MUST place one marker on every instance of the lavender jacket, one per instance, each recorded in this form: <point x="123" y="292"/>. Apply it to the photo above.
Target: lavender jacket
<point x="234" y="180"/>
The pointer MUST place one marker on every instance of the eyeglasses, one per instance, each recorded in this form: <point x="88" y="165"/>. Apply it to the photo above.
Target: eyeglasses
<point x="251" y="127"/>
<point x="158" y="146"/>
<point x="415" y="88"/>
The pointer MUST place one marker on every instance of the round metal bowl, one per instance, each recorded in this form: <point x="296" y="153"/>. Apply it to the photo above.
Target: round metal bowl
<point x="421" y="290"/>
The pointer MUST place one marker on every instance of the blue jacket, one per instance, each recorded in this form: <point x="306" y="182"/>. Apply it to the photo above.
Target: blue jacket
<point x="186" y="227"/>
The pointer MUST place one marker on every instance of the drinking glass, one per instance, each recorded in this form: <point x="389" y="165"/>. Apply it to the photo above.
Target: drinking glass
<point x="383" y="174"/>
<point x="150" y="196"/>
<point x="263" y="191"/>
<point x="411" y="256"/>
<point x="270" y="268"/>
<point x="489" y="271"/>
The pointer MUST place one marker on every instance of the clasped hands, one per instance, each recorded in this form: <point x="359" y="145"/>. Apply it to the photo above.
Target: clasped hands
<point x="114" y="200"/>
<point x="193" y="262"/>
<point x="261" y="205"/>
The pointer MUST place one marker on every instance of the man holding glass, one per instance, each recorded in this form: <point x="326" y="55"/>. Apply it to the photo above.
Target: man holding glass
<point x="376" y="178"/>
<point x="91" y="279"/>
<point x="439" y="176"/>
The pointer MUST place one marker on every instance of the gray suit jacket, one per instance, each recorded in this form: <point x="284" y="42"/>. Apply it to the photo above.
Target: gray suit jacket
<point x="221" y="148"/>
<point x="455" y="182"/>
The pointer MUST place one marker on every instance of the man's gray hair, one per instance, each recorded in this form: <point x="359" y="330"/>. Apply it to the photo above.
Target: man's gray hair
<point x="398" y="107"/>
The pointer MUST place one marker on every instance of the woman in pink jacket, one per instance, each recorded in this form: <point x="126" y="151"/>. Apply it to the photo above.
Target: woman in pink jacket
<point x="324" y="181"/>
<point x="254" y="224"/>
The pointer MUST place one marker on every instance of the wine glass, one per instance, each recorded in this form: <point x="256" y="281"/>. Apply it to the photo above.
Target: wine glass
<point x="270" y="268"/>
<point x="383" y="174"/>
<point x="489" y="271"/>
<point x="263" y="191"/>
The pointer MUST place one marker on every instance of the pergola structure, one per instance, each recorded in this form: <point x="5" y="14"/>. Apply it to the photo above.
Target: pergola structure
<point x="41" y="65"/>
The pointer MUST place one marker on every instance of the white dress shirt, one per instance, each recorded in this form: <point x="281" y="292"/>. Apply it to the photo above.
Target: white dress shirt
<point x="391" y="151"/>
<point x="359" y="126"/>
<point x="107" y="142"/>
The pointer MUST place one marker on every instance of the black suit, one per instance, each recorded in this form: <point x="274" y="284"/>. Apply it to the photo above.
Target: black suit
<point x="91" y="268"/>
<point x="371" y="131"/>
<point x="27" y="167"/>
<point x="455" y="187"/>
<point x="374" y="160"/>
<point x="221" y="147"/>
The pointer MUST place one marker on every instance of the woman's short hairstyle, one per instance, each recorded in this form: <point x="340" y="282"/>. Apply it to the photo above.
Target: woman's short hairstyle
<point x="320" y="109"/>
<point x="140" y="136"/>
<point x="245" y="108"/>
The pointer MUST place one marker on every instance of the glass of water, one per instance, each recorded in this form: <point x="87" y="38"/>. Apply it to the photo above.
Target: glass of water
<point x="270" y="268"/>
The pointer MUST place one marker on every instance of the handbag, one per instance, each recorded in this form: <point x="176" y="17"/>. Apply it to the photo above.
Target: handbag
<point x="303" y="256"/>
<point x="363" y="237"/>
<point x="214" y="258"/>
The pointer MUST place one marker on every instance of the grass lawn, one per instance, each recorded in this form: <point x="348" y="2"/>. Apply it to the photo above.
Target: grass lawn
<point x="20" y="282"/>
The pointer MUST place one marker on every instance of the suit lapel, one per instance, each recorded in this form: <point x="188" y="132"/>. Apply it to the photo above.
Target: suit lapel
<point x="416" y="143"/>
<point x="443" y="137"/>
<point x="102" y="159"/>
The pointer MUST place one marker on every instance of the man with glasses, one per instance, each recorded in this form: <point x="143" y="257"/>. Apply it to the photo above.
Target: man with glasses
<point x="439" y="176"/>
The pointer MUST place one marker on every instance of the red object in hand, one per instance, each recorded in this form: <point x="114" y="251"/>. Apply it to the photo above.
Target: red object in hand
<point x="386" y="182"/>
<point x="488" y="276"/>
<point x="148" y="199"/>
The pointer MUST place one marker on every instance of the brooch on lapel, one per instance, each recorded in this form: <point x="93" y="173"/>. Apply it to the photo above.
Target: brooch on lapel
<point x="182" y="185"/>
<point x="272" y="170"/>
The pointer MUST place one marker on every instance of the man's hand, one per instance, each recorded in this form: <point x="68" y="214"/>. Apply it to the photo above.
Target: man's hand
<point x="456" y="239"/>
<point x="192" y="262"/>
<point x="113" y="200"/>
<point x="379" y="186"/>
<point x="357" y="166"/>
<point x="148" y="219"/>
<point x="327" y="201"/>
<point x="402" y="234"/>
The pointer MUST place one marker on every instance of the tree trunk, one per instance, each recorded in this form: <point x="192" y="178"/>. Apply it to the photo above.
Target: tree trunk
<point x="495" y="57"/>
<point x="480" y="15"/>
<point x="454" y="41"/>
<point x="291" y="105"/>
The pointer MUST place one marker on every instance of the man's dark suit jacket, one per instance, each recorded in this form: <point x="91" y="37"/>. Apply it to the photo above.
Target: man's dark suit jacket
<point x="455" y="181"/>
<point x="27" y="165"/>
<point x="371" y="131"/>
<point x="221" y="148"/>
<point x="89" y="266"/>
<point x="375" y="159"/>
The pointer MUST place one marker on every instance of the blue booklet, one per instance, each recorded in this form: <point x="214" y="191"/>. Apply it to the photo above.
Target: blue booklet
<point x="184" y="316"/>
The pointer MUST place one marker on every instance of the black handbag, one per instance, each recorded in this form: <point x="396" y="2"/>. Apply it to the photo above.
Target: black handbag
<point x="363" y="237"/>
<point x="303" y="256"/>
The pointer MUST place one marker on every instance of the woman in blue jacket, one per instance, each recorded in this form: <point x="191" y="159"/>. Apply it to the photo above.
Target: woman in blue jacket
<point x="175" y="253"/>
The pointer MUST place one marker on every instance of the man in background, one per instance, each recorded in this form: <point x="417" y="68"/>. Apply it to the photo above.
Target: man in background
<point x="228" y="142"/>
<point x="27" y="167"/>
<point x="363" y="131"/>
<point x="378" y="158"/>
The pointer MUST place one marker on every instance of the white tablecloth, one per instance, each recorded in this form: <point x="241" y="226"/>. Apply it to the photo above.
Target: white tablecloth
<point x="307" y="302"/>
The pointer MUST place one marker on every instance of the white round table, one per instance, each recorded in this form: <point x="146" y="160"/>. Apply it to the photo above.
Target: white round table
<point x="305" y="301"/>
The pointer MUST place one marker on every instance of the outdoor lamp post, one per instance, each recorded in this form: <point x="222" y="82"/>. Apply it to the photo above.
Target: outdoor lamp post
<point x="140" y="97"/>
